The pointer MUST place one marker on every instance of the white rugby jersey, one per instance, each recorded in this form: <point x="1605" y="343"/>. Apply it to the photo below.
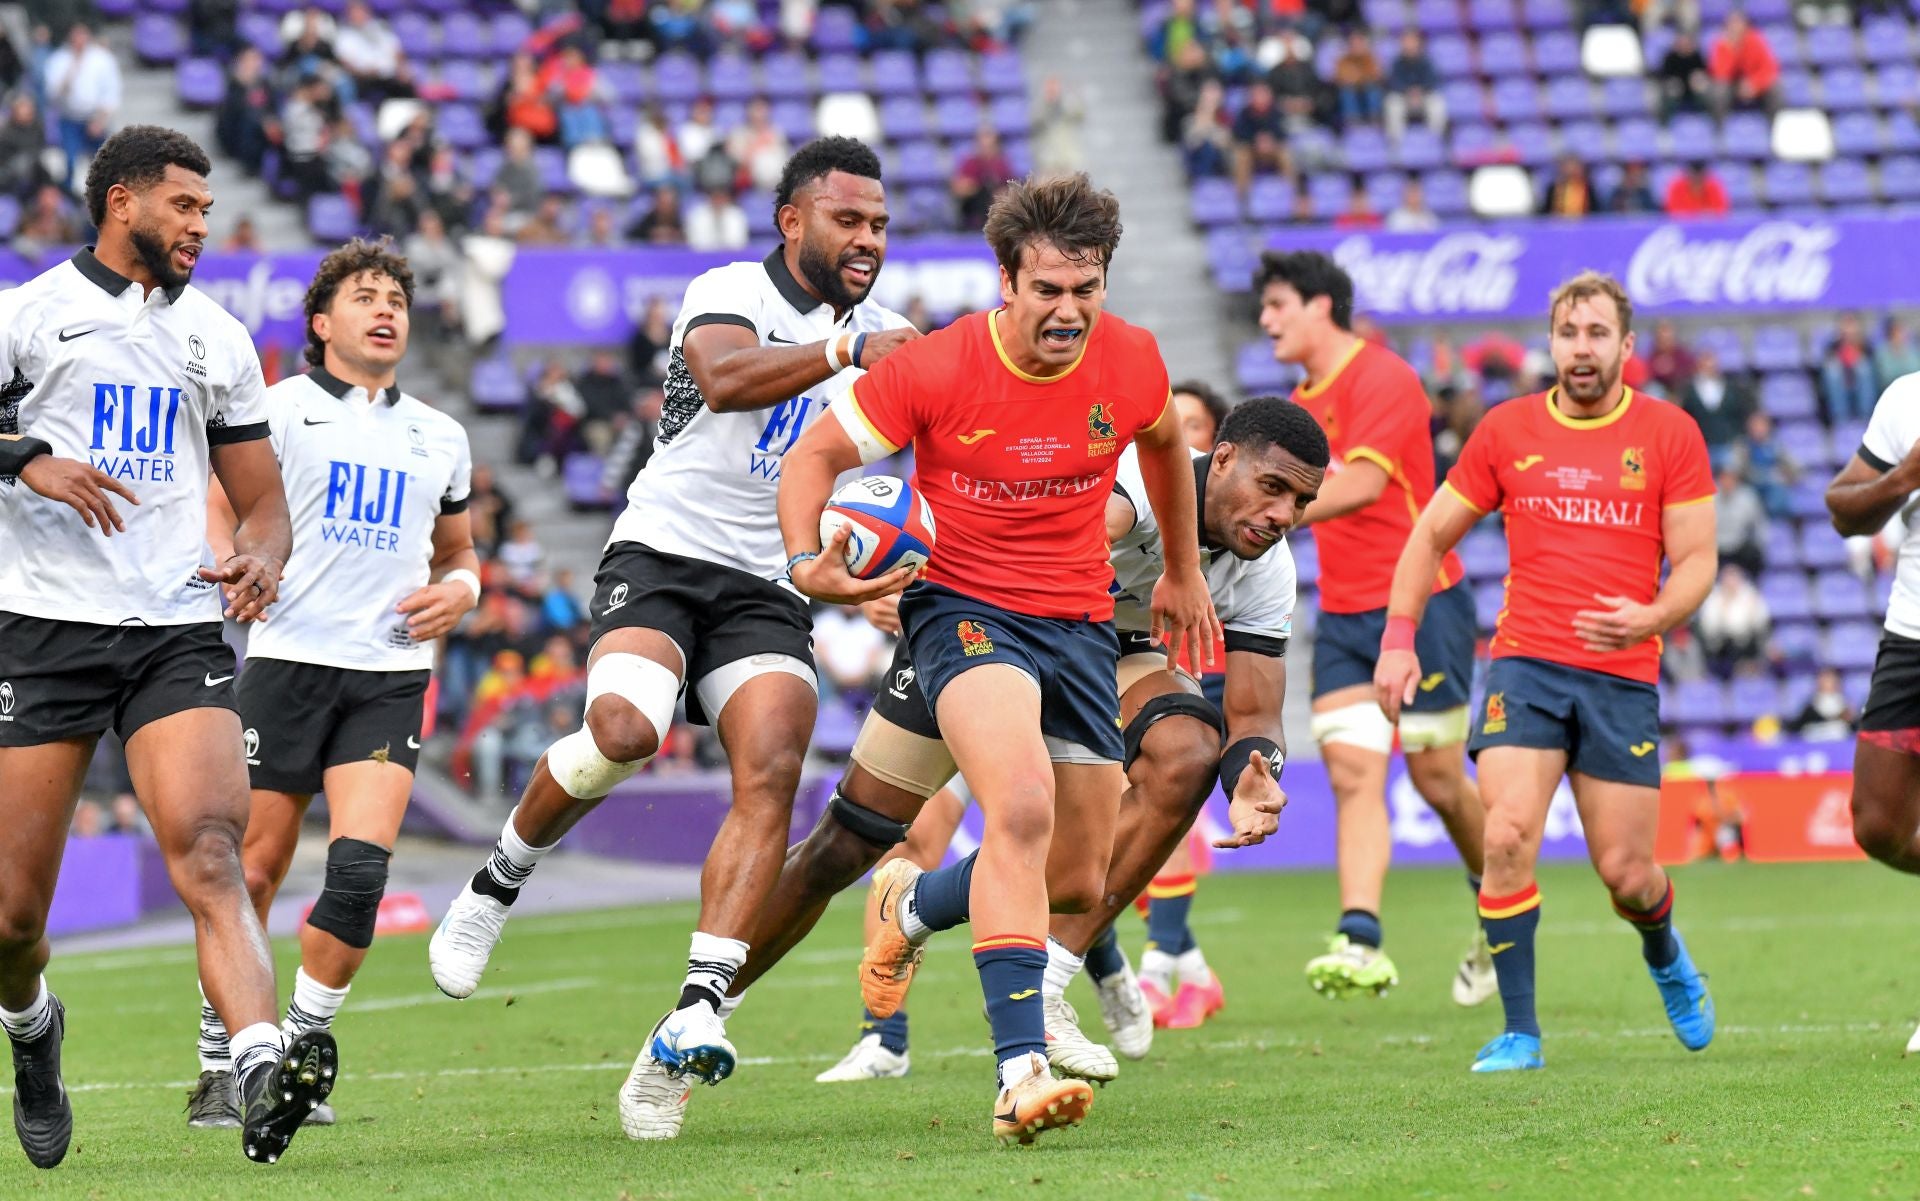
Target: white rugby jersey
<point x="366" y="479"/>
<point x="1891" y="433"/>
<point x="1253" y="597"/>
<point x="709" y="490"/>
<point x="138" y="385"/>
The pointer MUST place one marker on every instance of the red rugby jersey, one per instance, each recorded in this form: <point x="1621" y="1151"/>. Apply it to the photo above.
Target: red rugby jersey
<point x="1016" y="467"/>
<point x="1373" y="407"/>
<point x="1583" y="501"/>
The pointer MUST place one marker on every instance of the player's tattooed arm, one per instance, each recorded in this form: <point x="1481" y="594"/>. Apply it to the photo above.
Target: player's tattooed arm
<point x="263" y="538"/>
<point x="735" y="373"/>
<point x="1865" y="496"/>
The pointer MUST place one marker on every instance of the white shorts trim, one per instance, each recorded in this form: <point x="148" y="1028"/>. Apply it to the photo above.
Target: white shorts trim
<point x="1363" y="724"/>
<point x="717" y="687"/>
<point x="1430" y="731"/>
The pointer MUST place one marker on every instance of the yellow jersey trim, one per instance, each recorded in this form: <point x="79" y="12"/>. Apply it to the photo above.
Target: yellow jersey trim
<point x="1462" y="497"/>
<point x="1373" y="456"/>
<point x="1164" y="410"/>
<point x="1590" y="423"/>
<point x="1698" y="500"/>
<point x="1309" y="391"/>
<point x="853" y="402"/>
<point x="993" y="331"/>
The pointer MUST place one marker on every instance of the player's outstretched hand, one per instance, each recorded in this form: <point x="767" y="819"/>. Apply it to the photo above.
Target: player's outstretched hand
<point x="250" y="582"/>
<point x="1255" y="806"/>
<point x="434" y="609"/>
<point x="1183" y="618"/>
<point x="81" y="485"/>
<point x="826" y="579"/>
<point x="1396" y="676"/>
<point x="883" y="614"/>
<point x="879" y="346"/>
<point x="1623" y="623"/>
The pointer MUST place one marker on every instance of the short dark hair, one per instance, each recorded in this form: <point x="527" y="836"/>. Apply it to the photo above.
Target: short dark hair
<point x="138" y="157"/>
<point x="1065" y="211"/>
<point x="820" y="158"/>
<point x="357" y="257"/>
<point x="1215" y="403"/>
<point x="1311" y="274"/>
<point x="1273" y="421"/>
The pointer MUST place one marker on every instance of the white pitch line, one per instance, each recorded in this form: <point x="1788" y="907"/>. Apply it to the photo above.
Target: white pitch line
<point x="412" y="1000"/>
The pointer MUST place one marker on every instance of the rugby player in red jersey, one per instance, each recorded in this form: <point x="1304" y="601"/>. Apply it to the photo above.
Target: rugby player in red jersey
<point x="1017" y="418"/>
<point x="1598" y="484"/>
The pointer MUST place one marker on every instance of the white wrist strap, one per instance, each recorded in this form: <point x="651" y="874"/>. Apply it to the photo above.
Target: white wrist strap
<point x="465" y="576"/>
<point x="834" y="359"/>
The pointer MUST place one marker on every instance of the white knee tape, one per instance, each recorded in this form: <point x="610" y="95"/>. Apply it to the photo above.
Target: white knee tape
<point x="1425" y="731"/>
<point x="1363" y="724"/>
<point x="582" y="772"/>
<point x="639" y="681"/>
<point x="717" y="687"/>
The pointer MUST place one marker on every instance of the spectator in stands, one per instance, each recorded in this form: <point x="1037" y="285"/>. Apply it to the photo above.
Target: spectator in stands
<point x="648" y="347"/>
<point x="524" y="102"/>
<point x="244" y="126"/>
<point x="22" y="140"/>
<point x="1634" y="193"/>
<point x="1259" y="137"/>
<point x="306" y="47"/>
<point x="448" y="190"/>
<point x="600" y="232"/>
<point x="83" y="89"/>
<point x="1697" y="192"/>
<point x="51" y="220"/>
<point x="1685" y="86"/>
<point x="521" y="555"/>
<point x="1767" y="465"/>
<point x="491" y="508"/>
<point x="1357" y="75"/>
<point x="303" y="135"/>
<point x="900" y="25"/>
<point x="1828" y="716"/>
<point x="1604" y="12"/>
<point x="1733" y="623"/>
<point x="1898" y="354"/>
<point x="1413" y="88"/>
<point x="698" y="133"/>
<point x="519" y="175"/>
<point x="664" y="224"/>
<point x="549" y="421"/>
<point x="1336" y="14"/>
<point x="656" y="153"/>
<point x="126" y="817"/>
<point x="1684" y="14"/>
<point x="1295" y="87"/>
<point x="1359" y="213"/>
<point x="348" y="161"/>
<point x="394" y="199"/>
<point x="717" y="222"/>
<point x="1742" y="523"/>
<point x="548" y="225"/>
<point x="759" y="146"/>
<point x="1848" y="380"/>
<point x="1201" y="410"/>
<point x="1412" y="214"/>
<point x="489" y="256"/>
<point x="606" y="393"/>
<point x="1669" y="362"/>
<point x="633" y="442"/>
<point x="1206" y="144"/>
<point x="1190" y="70"/>
<point x="979" y="178"/>
<point x="1745" y="72"/>
<point x="1718" y="405"/>
<point x="370" y="52"/>
<point x="243" y="239"/>
<point x="89" y="820"/>
<point x="437" y="264"/>
<point x="1571" y="192"/>
<point x="213" y="28"/>
<point x="1056" y="130"/>
<point x="573" y="88"/>
<point x="853" y="654"/>
<point x="1180" y="30"/>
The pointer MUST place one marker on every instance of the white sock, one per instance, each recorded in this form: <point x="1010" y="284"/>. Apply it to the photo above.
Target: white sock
<point x="258" y="1044"/>
<point x="1192" y="966"/>
<point x="1020" y="1068"/>
<point x="313" y="1004"/>
<point x="711" y="964"/>
<point x="728" y="1005"/>
<point x="1156" y="968"/>
<point x="33" y="1021"/>
<point x="1062" y="966"/>
<point x="908" y="915"/>
<point x="216" y="1053"/>
<point x="513" y="859"/>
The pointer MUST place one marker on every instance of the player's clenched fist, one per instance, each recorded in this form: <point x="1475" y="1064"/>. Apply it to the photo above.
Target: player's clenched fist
<point x="879" y="346"/>
<point x="85" y="487"/>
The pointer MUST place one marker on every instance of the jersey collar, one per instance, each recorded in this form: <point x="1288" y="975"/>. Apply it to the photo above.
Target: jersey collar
<point x="1589" y="423"/>
<point x="339" y="388"/>
<point x="803" y="301"/>
<point x="107" y="279"/>
<point x="1202" y="468"/>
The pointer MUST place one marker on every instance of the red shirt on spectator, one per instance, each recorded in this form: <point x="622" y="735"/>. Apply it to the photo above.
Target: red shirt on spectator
<point x="1705" y="198"/>
<point x="1749" y="61"/>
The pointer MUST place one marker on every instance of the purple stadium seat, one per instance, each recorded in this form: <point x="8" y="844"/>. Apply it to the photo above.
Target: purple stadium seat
<point x="1505" y="53"/>
<point x="1897" y="85"/>
<point x="1484" y="555"/>
<point x="1838" y="595"/>
<point x="330" y="218"/>
<point x="261" y="32"/>
<point x="1384" y="189"/>
<point x="1452" y="56"/>
<point x="1786" y="595"/>
<point x="507" y="31"/>
<point x="463" y="35"/>
<point x="1446" y="192"/>
<point x="835" y="30"/>
<point x="948" y="70"/>
<point x="1804" y="439"/>
<point x="441" y="7"/>
<point x="461" y="126"/>
<point x="1270" y="199"/>
<point x="1844" y="89"/>
<point x="917" y="163"/>
<point x="1776" y="348"/>
<point x="1390" y="15"/>
<point x="1001" y="73"/>
<point x="1807" y="501"/>
<point x="552" y="162"/>
<point x="1725" y="343"/>
<point x="626" y="82"/>
<point x="1625" y="98"/>
<point x="1214" y="202"/>
<point x="929" y="208"/>
<point x="902" y="117"/>
<point x="116" y="10"/>
<point x="795" y="119"/>
<point x="1540" y="15"/>
<point x="1887" y="40"/>
<point x="1746" y="135"/>
<point x="677" y="76"/>
<point x="1488" y="600"/>
<point x="9" y="215"/>
<point x="1822" y="550"/>
<point x="1010" y="116"/>
<point x="1846" y="181"/>
<point x="623" y="124"/>
<point x="1519" y="99"/>
<point x="1696" y="703"/>
<point x="1490" y="15"/>
<point x="1436" y="16"/>
<point x="1798" y="646"/>
<point x="1569" y="98"/>
<point x="1787" y="183"/>
<point x="1691" y="137"/>
<point x="1329" y="192"/>
<point x="957" y="117"/>
<point x="1632" y="139"/>
<point x="1534" y="142"/>
<point x="1797" y="90"/>
<point x="580" y="480"/>
<point x="418" y="36"/>
<point x="170" y="7"/>
<point x="1761" y="12"/>
<point x="1788" y="395"/>
<point x="1473" y="143"/>
<point x="1364" y="148"/>
<point x="1751" y="698"/>
<point x="158" y="39"/>
<point x="1555" y="52"/>
<point x="1831" y="46"/>
<point x="200" y="83"/>
<point x="466" y="80"/>
<point x="495" y="387"/>
<point x="1785" y="41"/>
<point x="1852" y="645"/>
<point x="1900" y="178"/>
<point x="730" y="77"/>
<point x="1466" y="100"/>
<point x="1856" y="134"/>
<point x="893" y="73"/>
<point x="1742" y="191"/>
<point x="1902" y="133"/>
<point x="785" y="75"/>
<point x="1420" y="149"/>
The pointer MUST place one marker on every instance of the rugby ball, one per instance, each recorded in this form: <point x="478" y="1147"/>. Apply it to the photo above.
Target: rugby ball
<point x="888" y="525"/>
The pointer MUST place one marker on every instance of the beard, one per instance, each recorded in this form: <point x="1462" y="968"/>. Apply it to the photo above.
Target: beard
<point x="157" y="257"/>
<point x="1603" y="383"/>
<point x="827" y="280"/>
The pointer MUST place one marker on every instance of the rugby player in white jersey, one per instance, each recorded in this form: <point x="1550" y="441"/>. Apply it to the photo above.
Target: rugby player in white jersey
<point x="1266" y="468"/>
<point x="333" y="691"/>
<point x="123" y="386"/>
<point x="692" y="591"/>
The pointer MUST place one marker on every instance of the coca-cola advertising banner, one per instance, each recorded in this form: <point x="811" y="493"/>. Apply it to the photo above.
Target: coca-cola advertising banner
<point x="1506" y="272"/>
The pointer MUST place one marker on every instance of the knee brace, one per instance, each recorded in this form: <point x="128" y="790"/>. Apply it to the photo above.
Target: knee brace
<point x="1168" y="704"/>
<point x="576" y="763"/>
<point x="863" y="823"/>
<point x="350" y="899"/>
<point x="582" y="772"/>
<point x="1362" y="724"/>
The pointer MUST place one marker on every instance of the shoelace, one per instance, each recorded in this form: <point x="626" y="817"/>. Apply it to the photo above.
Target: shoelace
<point x="464" y="939"/>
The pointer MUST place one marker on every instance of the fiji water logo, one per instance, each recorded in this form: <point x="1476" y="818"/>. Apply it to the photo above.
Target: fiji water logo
<point x="1776" y="262"/>
<point x="134" y="431"/>
<point x="785" y="423"/>
<point x="1468" y="272"/>
<point x="364" y="506"/>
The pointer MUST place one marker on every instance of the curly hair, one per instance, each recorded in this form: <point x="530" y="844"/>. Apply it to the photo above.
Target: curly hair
<point x="1066" y="212"/>
<point x="138" y="157"/>
<point x="1271" y="421"/>
<point x="358" y="257"/>
<point x="1311" y="274"/>
<point x="820" y="158"/>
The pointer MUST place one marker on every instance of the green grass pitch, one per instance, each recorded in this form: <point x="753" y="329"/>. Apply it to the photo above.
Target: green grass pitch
<point x="511" y="1094"/>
